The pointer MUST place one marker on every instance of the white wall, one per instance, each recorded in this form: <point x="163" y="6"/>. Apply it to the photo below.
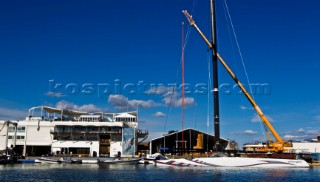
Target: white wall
<point x="114" y="148"/>
<point x="39" y="138"/>
<point x="3" y="135"/>
<point x="93" y="145"/>
<point x="306" y="147"/>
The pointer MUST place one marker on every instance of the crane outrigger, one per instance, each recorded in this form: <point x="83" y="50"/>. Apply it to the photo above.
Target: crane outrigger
<point x="279" y="145"/>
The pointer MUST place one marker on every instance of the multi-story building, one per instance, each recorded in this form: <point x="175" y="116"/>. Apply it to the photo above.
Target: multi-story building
<point x="67" y="132"/>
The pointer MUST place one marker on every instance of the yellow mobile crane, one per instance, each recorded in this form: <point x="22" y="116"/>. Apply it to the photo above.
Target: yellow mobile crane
<point x="279" y="145"/>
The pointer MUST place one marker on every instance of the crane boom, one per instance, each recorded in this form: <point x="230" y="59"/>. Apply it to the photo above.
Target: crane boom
<point x="253" y="103"/>
<point x="279" y="145"/>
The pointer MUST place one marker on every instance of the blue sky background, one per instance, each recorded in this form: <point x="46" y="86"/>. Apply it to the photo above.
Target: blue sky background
<point x="79" y="42"/>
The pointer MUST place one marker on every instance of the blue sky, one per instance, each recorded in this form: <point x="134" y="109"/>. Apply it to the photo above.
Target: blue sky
<point x="101" y="46"/>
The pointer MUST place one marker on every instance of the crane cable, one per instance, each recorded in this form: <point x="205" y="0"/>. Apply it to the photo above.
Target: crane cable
<point x="241" y="58"/>
<point x="179" y="68"/>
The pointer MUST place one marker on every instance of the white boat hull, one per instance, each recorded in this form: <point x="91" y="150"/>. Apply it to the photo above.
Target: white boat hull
<point x="89" y="161"/>
<point x="119" y="161"/>
<point x="147" y="161"/>
<point x="234" y="162"/>
<point x="48" y="160"/>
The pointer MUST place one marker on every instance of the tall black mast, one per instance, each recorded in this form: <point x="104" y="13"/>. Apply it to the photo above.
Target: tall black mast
<point x="215" y="76"/>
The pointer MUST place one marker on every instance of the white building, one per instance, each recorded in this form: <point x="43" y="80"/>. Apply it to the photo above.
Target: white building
<point x="297" y="147"/>
<point x="306" y="147"/>
<point x="68" y="132"/>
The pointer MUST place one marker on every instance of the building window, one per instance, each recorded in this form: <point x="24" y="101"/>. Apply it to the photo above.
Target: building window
<point x="10" y="137"/>
<point x="11" y="129"/>
<point x="20" y="137"/>
<point x="21" y="129"/>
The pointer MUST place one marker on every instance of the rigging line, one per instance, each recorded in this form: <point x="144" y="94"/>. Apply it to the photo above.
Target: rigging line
<point x="187" y="37"/>
<point x="233" y="50"/>
<point x="234" y="59"/>
<point x="238" y="46"/>
<point x="241" y="58"/>
<point x="177" y="73"/>
<point x="193" y="7"/>
<point x="189" y="27"/>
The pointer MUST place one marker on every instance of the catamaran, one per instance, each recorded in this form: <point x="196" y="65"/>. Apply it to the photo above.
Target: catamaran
<point x="280" y="146"/>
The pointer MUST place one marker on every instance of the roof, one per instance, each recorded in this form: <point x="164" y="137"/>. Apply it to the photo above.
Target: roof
<point x="185" y="130"/>
<point x="124" y="115"/>
<point x="63" y="111"/>
<point x="71" y="112"/>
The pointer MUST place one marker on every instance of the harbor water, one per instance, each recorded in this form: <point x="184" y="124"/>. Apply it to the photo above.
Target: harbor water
<point x="94" y="172"/>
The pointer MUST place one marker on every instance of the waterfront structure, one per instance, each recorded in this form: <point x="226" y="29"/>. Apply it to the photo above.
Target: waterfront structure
<point x="68" y="132"/>
<point x="195" y="142"/>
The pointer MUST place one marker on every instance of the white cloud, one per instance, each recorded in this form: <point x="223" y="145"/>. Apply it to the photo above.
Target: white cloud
<point x="302" y="134"/>
<point x="118" y="101"/>
<point x="245" y="108"/>
<point x="290" y="137"/>
<point x="170" y="95"/>
<point x="122" y="102"/>
<point x="12" y="114"/>
<point x="89" y="108"/>
<point x="177" y="102"/>
<point x="249" y="132"/>
<point x="256" y="118"/>
<point x="162" y="90"/>
<point x="312" y="132"/>
<point x="245" y="132"/>
<point x="306" y="132"/>
<point x="85" y="108"/>
<point x="142" y="103"/>
<point x="159" y="114"/>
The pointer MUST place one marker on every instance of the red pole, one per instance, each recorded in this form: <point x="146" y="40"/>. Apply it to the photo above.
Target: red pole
<point x="182" y="100"/>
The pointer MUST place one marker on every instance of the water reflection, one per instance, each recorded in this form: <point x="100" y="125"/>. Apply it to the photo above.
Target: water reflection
<point x="120" y="172"/>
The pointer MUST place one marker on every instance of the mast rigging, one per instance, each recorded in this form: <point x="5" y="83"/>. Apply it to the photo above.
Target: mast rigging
<point x="273" y="146"/>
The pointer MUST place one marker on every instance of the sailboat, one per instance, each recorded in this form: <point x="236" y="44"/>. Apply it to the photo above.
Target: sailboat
<point x="278" y="147"/>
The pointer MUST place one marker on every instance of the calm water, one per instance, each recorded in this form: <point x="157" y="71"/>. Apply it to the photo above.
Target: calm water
<point x="92" y="172"/>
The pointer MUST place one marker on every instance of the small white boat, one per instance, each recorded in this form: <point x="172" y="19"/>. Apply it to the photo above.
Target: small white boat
<point x="150" y="159"/>
<point x="119" y="161"/>
<point x="88" y="161"/>
<point x="70" y="160"/>
<point x="48" y="160"/>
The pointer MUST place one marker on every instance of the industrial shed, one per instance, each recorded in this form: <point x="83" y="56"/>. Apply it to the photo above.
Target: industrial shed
<point x="194" y="142"/>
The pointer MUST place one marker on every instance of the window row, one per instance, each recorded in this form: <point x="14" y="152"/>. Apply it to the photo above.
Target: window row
<point x="18" y="137"/>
